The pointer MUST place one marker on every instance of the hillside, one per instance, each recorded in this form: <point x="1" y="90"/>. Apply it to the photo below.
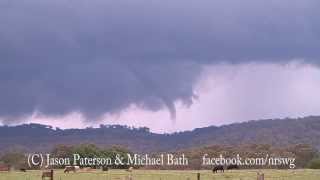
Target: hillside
<point x="277" y="132"/>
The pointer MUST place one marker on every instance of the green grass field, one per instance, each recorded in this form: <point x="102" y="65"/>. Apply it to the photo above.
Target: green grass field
<point x="168" y="175"/>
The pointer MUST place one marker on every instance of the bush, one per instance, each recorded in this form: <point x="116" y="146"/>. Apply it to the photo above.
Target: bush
<point x="314" y="164"/>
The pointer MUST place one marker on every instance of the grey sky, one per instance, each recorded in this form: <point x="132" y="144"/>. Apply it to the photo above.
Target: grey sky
<point x="98" y="57"/>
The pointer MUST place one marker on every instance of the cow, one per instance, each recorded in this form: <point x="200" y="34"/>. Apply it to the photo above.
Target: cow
<point x="47" y="174"/>
<point x="218" y="168"/>
<point x="105" y="168"/>
<point x="130" y="169"/>
<point x="74" y="169"/>
<point x="232" y="166"/>
<point x="4" y="168"/>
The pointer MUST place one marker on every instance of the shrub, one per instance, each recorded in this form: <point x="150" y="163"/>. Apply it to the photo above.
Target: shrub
<point x="314" y="164"/>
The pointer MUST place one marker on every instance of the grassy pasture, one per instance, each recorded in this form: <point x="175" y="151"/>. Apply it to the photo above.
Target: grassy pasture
<point x="303" y="174"/>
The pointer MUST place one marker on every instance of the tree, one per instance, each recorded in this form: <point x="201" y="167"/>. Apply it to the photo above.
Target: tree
<point x="15" y="159"/>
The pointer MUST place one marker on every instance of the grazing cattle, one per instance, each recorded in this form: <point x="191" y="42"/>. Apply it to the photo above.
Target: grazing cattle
<point x="232" y="166"/>
<point x="23" y="170"/>
<point x="218" y="168"/>
<point x="4" y="168"/>
<point x="130" y="169"/>
<point x="47" y="174"/>
<point x="74" y="169"/>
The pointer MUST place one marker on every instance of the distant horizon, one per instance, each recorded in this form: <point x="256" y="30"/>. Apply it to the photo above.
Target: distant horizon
<point x="97" y="126"/>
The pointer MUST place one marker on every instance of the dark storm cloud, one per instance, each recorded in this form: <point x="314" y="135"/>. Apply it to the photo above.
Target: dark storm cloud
<point x="96" y="56"/>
